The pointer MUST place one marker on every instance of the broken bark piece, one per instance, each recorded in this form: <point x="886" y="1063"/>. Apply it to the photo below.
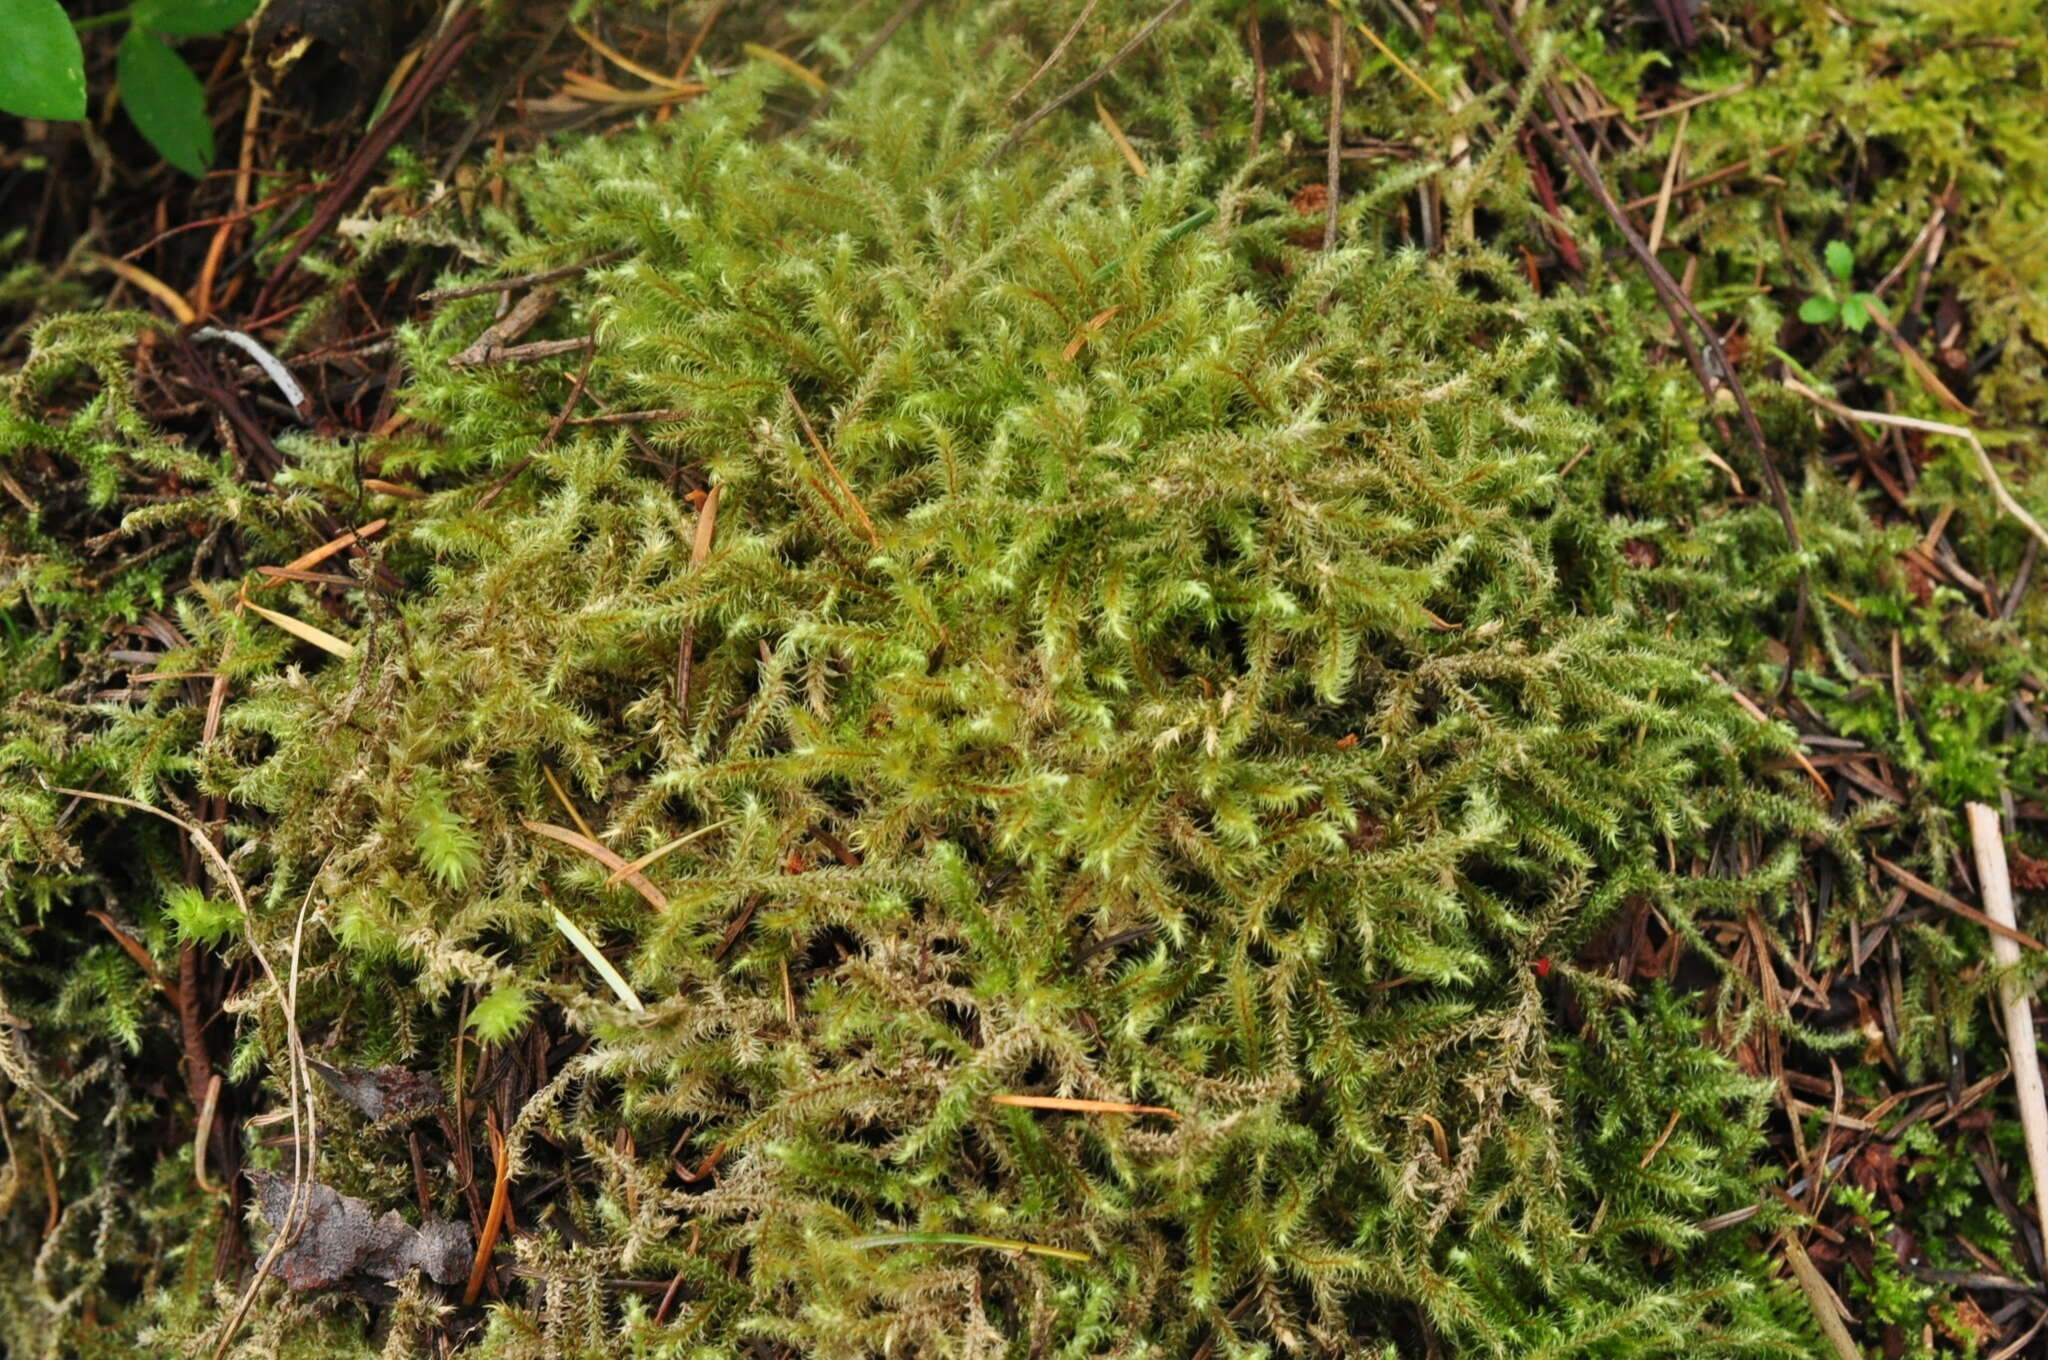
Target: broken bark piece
<point x="342" y="1241"/>
<point x="383" y="1092"/>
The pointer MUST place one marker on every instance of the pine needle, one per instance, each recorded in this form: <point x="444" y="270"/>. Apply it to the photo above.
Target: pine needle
<point x="1077" y="1105"/>
<point x="173" y="301"/>
<point x="933" y="1239"/>
<point x="568" y="806"/>
<point x="867" y="525"/>
<point x="487" y="1241"/>
<point x="1405" y="69"/>
<point x="619" y="874"/>
<point x="602" y="855"/>
<point x="305" y="632"/>
<point x="787" y="63"/>
<point x="1123" y="143"/>
<point x="589" y="950"/>
<point x="306" y="561"/>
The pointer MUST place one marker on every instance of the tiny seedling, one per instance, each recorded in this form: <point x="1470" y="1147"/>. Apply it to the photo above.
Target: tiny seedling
<point x="44" y="76"/>
<point x="1852" y="308"/>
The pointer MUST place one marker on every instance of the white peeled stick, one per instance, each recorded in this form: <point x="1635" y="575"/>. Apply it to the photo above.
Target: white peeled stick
<point x="1995" y="883"/>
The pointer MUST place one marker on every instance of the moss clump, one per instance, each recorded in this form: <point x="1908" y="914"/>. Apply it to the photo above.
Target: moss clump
<point x="1138" y="658"/>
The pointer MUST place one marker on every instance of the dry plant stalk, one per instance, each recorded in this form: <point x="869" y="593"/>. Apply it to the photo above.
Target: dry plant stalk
<point x="1995" y="882"/>
<point x="1826" y="1310"/>
<point x="1963" y="432"/>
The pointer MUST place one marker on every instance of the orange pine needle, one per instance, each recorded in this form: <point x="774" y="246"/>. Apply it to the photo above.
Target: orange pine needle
<point x="1076" y="1105"/>
<point x="602" y="855"/>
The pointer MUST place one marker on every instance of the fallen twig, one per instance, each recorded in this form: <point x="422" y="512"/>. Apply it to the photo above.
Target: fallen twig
<point x="1921" y="888"/>
<point x="1962" y="432"/>
<point x="1059" y="50"/>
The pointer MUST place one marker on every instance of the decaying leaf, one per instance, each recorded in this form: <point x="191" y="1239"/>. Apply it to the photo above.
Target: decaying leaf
<point x="345" y="1242"/>
<point x="383" y="1092"/>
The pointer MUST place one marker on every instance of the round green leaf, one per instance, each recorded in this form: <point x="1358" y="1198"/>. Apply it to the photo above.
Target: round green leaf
<point x="43" y="73"/>
<point x="165" y="101"/>
<point x="1817" y="311"/>
<point x="1841" y="262"/>
<point x="192" y="18"/>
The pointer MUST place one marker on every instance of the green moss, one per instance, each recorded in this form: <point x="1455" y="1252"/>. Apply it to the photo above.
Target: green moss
<point x="1241" y="679"/>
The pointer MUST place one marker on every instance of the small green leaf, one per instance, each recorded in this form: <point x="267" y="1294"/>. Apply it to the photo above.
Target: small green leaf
<point x="43" y="73"/>
<point x="1841" y="261"/>
<point x="200" y="919"/>
<point x="1817" y="311"/>
<point x="1854" y="314"/>
<point x="501" y="1015"/>
<point x="164" y="99"/>
<point x="192" y="18"/>
<point x="446" y="845"/>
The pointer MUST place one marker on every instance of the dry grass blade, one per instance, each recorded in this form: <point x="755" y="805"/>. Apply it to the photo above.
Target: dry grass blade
<point x="1403" y="67"/>
<point x="305" y="632"/>
<point x="602" y="855"/>
<point x="1089" y="330"/>
<point x="707" y="528"/>
<point x="625" y="63"/>
<point x="591" y="90"/>
<point x="1663" y="213"/>
<point x="1826" y="1311"/>
<point x="686" y="643"/>
<point x="595" y="957"/>
<point x="1334" y="153"/>
<point x="619" y="874"/>
<point x="562" y="797"/>
<point x="1076" y="1105"/>
<point x="398" y="490"/>
<point x="1962" y="432"/>
<point x="202" y="1132"/>
<point x="1995" y="879"/>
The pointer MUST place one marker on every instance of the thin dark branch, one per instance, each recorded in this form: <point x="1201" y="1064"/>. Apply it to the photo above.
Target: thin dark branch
<point x="435" y="69"/>
<point x="1258" y="39"/>
<point x="1335" y="154"/>
<point x="1101" y="73"/>
<point x="1059" y="50"/>
<point x="1680" y="309"/>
